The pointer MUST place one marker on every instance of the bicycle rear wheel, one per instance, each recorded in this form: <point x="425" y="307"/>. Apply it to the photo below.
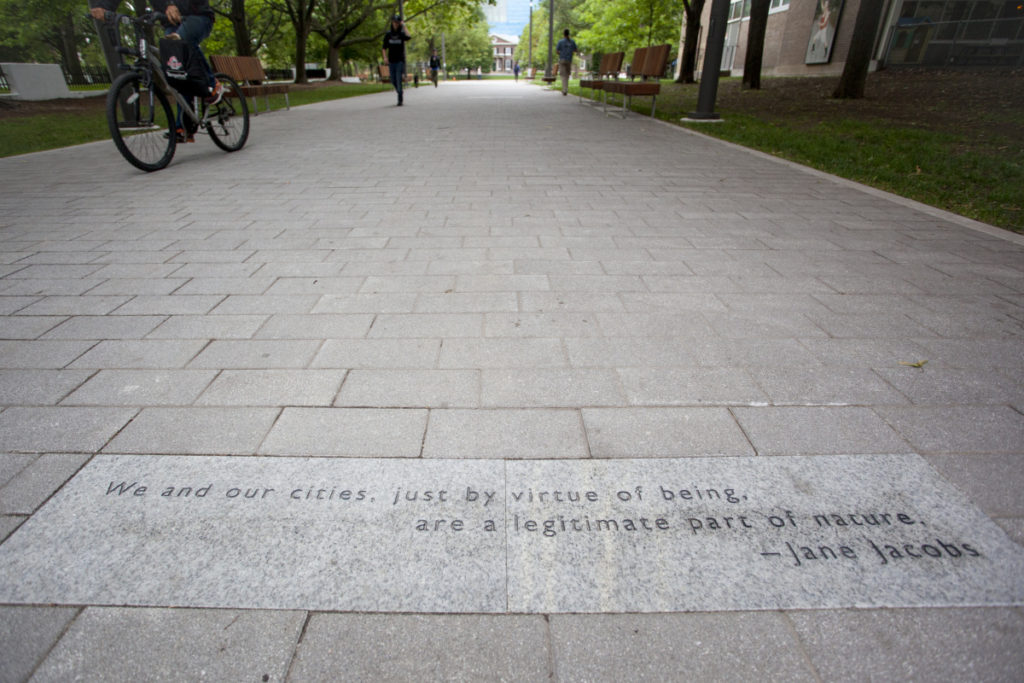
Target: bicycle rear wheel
<point x="227" y="122"/>
<point x="141" y="122"/>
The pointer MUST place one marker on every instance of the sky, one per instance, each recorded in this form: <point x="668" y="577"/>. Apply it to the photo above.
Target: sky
<point x="508" y="17"/>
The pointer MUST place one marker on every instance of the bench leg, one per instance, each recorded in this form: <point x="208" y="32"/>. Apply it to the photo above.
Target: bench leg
<point x="654" y="103"/>
<point x="287" y="105"/>
<point x="255" y="108"/>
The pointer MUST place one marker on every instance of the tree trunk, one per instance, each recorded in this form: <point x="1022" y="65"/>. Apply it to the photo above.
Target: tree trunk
<point x="334" y="63"/>
<point x="858" y="59"/>
<point x="300" y="57"/>
<point x="755" y="43"/>
<point x="69" y="50"/>
<point x="688" y="65"/>
<point x="243" y="39"/>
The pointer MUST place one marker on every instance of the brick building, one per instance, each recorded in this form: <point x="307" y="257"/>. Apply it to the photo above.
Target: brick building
<point x="812" y="37"/>
<point x="504" y="53"/>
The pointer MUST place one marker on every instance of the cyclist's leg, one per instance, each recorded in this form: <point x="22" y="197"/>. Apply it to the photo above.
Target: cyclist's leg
<point x="194" y="29"/>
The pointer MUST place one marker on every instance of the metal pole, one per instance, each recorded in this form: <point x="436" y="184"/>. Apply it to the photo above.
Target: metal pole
<point x="549" y="72"/>
<point x="444" y="57"/>
<point x="712" y="61"/>
<point x="529" y="49"/>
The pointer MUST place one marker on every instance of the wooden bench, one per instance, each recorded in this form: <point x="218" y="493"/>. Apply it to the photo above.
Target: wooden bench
<point x="251" y="78"/>
<point x="611" y="65"/>
<point x="649" y="64"/>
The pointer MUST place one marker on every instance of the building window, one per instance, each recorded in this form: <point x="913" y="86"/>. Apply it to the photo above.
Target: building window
<point x="779" y="5"/>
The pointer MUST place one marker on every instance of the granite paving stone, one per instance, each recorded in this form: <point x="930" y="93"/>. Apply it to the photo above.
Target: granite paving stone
<point x="663" y="432"/>
<point x="208" y="327"/>
<point x="37" y="481"/>
<point x="526" y="433"/>
<point x="141" y="388"/>
<point x="995" y="481"/>
<point x="818" y="429"/>
<point x="144" y="353"/>
<point x="913" y="644"/>
<point x="315" y="326"/>
<point x="377" y="353"/>
<point x="274" y="353"/>
<point x="541" y="324"/>
<point x="427" y="325"/>
<point x="405" y="388"/>
<point x="501" y="353"/>
<point x="266" y="304"/>
<point x="676" y="325"/>
<point x="957" y="429"/>
<point x="60" y="429"/>
<point x="13" y="463"/>
<point x="38" y="387"/>
<point x="549" y="388"/>
<point x="941" y="386"/>
<point x="226" y="285"/>
<point x="273" y="388"/>
<point x="172" y="304"/>
<point x="654" y="386"/>
<point x="423" y="647"/>
<point x="351" y="432"/>
<point x="48" y="288"/>
<point x="9" y="524"/>
<point x="187" y="644"/>
<point x="105" y="327"/>
<point x="29" y="326"/>
<point x="701" y="646"/>
<point x="825" y="385"/>
<point x="26" y="636"/>
<point x="50" y="354"/>
<point x="387" y="302"/>
<point x="204" y="430"/>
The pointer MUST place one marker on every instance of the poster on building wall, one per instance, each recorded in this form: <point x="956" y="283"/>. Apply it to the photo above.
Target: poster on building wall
<point x="823" y="31"/>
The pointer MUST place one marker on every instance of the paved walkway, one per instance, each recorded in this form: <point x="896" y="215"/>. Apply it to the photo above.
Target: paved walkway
<point x="505" y="258"/>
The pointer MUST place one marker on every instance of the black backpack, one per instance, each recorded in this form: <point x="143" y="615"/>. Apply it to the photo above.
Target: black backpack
<point x="183" y="67"/>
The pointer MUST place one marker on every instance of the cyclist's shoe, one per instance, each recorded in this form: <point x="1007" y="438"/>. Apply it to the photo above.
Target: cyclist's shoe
<point x="216" y="94"/>
<point x="182" y="136"/>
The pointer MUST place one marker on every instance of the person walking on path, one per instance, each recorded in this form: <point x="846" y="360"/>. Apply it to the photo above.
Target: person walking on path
<point x="435" y="66"/>
<point x="515" y="70"/>
<point x="393" y="50"/>
<point x="566" y="48"/>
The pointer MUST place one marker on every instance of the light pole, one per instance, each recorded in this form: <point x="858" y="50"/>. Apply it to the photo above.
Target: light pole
<point x="549" y="72"/>
<point x="529" y="47"/>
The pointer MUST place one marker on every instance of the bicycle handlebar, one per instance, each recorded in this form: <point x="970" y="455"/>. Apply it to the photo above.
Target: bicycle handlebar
<point x="149" y="19"/>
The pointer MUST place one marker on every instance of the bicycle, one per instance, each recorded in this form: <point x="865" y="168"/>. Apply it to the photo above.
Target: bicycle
<point x="139" y="113"/>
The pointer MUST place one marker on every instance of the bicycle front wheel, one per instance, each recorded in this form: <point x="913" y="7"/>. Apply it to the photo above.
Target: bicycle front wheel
<point x="228" y="120"/>
<point x="141" y="122"/>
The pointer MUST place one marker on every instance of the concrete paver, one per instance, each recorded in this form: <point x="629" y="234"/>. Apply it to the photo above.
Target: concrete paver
<point x="492" y="271"/>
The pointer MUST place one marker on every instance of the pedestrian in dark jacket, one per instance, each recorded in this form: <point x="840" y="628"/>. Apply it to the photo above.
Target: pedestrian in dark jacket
<point x="393" y="50"/>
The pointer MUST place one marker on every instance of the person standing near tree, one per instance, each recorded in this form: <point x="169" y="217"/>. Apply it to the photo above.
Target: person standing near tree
<point x="393" y="50"/>
<point x="435" y="66"/>
<point x="566" y="48"/>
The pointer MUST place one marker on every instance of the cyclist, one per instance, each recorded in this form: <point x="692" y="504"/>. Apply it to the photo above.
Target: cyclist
<point x="191" y="21"/>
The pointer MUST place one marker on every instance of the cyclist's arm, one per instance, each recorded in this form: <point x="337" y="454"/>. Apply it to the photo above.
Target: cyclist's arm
<point x="101" y="7"/>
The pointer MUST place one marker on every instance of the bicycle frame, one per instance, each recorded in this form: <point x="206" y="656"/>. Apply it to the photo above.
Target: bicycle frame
<point x="147" y="63"/>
